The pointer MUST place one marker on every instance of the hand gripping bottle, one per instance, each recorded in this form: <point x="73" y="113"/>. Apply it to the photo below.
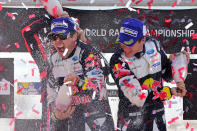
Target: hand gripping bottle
<point x="53" y="7"/>
<point x="179" y="67"/>
<point x="64" y="97"/>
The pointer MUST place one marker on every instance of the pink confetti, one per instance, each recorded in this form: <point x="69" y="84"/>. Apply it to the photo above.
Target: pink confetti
<point x="173" y="120"/>
<point x="184" y="40"/>
<point x="122" y="2"/>
<point x="193" y="49"/>
<point x="12" y="121"/>
<point x="32" y="16"/>
<point x="1" y="7"/>
<point x="46" y="8"/>
<point x="149" y="4"/>
<point x="170" y="104"/>
<point x="32" y="62"/>
<point x="17" y="45"/>
<point x="193" y="1"/>
<point x="174" y="3"/>
<point x="35" y="111"/>
<point x="168" y="20"/>
<point x="42" y="95"/>
<point x="38" y="5"/>
<point x="138" y="11"/>
<point x="32" y="72"/>
<point x="45" y="0"/>
<point x="138" y="2"/>
<point x="19" y="113"/>
<point x="19" y="90"/>
<point x="15" y="80"/>
<point x="187" y="125"/>
<point x="43" y="75"/>
<point x="194" y="36"/>
<point x="3" y="106"/>
<point x="192" y="129"/>
<point x="10" y="15"/>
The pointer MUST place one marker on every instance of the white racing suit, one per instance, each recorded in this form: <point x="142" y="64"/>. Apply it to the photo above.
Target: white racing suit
<point x="89" y="96"/>
<point x="139" y="81"/>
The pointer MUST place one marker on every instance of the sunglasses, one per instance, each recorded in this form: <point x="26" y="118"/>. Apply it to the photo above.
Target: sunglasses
<point x="55" y="36"/>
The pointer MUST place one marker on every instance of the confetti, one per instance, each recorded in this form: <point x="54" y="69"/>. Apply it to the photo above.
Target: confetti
<point x="192" y="129"/>
<point x="174" y="4"/>
<point x="194" y="36"/>
<point x="24" y="6"/>
<point x="173" y="120"/>
<point x="43" y="75"/>
<point x="128" y="6"/>
<point x="122" y="2"/>
<point x="11" y="16"/>
<point x="138" y="2"/>
<point x="193" y="1"/>
<point x="37" y="5"/>
<point x="138" y="11"/>
<point x="32" y="62"/>
<point x="65" y="52"/>
<point x="32" y="72"/>
<point x="189" y="25"/>
<point x="149" y="4"/>
<point x="19" y="90"/>
<point x="1" y="7"/>
<point x="32" y="16"/>
<point x="3" y="106"/>
<point x="193" y="49"/>
<point x="187" y="125"/>
<point x="42" y="95"/>
<point x="15" y="80"/>
<point x="168" y="20"/>
<point x="17" y="45"/>
<point x="35" y="111"/>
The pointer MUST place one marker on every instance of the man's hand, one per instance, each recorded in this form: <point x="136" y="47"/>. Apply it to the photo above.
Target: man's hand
<point x="63" y="114"/>
<point x="180" y="90"/>
<point x="82" y="35"/>
<point x="64" y="14"/>
<point x="172" y="56"/>
<point x="72" y="78"/>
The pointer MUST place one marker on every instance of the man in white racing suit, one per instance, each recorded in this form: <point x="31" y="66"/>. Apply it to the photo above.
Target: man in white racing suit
<point x="138" y="69"/>
<point x="81" y="66"/>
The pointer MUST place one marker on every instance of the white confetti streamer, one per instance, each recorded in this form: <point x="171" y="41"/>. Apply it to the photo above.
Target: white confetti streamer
<point x="65" y="52"/>
<point x="24" y="6"/>
<point x="128" y="4"/>
<point x="189" y="25"/>
<point x="94" y="94"/>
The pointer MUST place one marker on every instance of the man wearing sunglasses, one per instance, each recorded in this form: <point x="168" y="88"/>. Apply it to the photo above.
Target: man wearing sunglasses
<point x="138" y="69"/>
<point x="75" y="65"/>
